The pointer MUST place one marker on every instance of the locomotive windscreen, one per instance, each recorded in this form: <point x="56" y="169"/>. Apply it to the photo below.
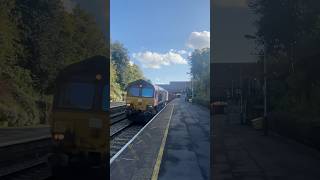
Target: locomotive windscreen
<point x="76" y="96"/>
<point x="134" y="91"/>
<point x="147" y="92"/>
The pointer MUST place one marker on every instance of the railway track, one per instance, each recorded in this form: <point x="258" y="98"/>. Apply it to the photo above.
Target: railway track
<point x="25" y="160"/>
<point x="28" y="159"/>
<point x="123" y="133"/>
<point x="123" y="137"/>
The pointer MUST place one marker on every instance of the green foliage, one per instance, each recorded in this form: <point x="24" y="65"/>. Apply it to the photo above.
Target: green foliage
<point x="132" y="73"/>
<point x="119" y="55"/>
<point x="286" y="24"/>
<point x="54" y="38"/>
<point x="38" y="38"/>
<point x="290" y="30"/>
<point x="17" y="103"/>
<point x="115" y="90"/>
<point x="122" y="71"/>
<point x="9" y="47"/>
<point x="200" y="71"/>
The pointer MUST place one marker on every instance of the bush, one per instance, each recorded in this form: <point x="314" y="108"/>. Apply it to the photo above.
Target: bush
<point x="17" y="103"/>
<point x="202" y="102"/>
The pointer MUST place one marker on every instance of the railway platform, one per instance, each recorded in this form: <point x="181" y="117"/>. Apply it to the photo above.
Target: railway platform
<point x="16" y="135"/>
<point x="241" y="152"/>
<point x="175" y="144"/>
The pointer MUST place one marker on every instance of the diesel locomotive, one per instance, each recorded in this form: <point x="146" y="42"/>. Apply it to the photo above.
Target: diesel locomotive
<point x="145" y="98"/>
<point x="80" y="115"/>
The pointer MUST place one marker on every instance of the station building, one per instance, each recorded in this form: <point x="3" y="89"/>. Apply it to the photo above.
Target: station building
<point x="176" y="86"/>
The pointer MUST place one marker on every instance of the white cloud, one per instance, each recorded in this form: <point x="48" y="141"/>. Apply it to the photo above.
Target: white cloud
<point x="156" y="60"/>
<point x="182" y="52"/>
<point x="199" y="40"/>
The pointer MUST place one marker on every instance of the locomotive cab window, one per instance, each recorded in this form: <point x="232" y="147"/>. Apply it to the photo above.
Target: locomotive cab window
<point x="147" y="92"/>
<point x="76" y="96"/>
<point x="105" y="99"/>
<point x="134" y="91"/>
<point x="160" y="97"/>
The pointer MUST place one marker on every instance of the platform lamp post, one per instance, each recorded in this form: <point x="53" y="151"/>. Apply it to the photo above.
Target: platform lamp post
<point x="192" y="89"/>
<point x="265" y="110"/>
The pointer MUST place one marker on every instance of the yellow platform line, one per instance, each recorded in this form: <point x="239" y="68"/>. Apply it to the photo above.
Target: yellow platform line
<point x="156" y="168"/>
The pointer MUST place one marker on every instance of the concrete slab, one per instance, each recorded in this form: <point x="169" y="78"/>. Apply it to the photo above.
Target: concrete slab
<point x="17" y="135"/>
<point x="137" y="161"/>
<point x="242" y="153"/>
<point x="187" y="149"/>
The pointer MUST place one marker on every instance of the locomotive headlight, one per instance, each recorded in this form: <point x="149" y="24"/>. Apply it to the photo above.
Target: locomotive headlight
<point x="55" y="136"/>
<point x="149" y="107"/>
<point x="128" y="104"/>
<point x="58" y="137"/>
<point x="98" y="77"/>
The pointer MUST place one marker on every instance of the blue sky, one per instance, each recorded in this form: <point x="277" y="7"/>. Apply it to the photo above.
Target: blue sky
<point x="160" y="34"/>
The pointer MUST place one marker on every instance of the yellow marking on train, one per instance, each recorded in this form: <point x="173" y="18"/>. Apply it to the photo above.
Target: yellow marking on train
<point x="156" y="168"/>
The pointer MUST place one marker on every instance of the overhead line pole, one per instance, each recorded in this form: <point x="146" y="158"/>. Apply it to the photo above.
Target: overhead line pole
<point x="265" y="87"/>
<point x="265" y="113"/>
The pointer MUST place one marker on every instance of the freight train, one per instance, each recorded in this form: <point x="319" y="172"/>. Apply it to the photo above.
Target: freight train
<point x="145" y="98"/>
<point x="80" y="115"/>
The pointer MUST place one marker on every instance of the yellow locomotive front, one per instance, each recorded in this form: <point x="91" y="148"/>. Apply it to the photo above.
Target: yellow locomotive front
<point x="145" y="98"/>
<point x="80" y="117"/>
<point x="141" y="98"/>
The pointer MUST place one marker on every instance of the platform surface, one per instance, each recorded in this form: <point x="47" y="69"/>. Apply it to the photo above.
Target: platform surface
<point x="175" y="145"/>
<point x="137" y="160"/>
<point x="187" y="149"/>
<point x="242" y="152"/>
<point x="13" y="135"/>
<point x="16" y="135"/>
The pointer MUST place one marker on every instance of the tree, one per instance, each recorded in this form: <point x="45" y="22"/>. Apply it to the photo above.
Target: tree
<point x="200" y="64"/>
<point x="115" y="90"/>
<point x="120" y="58"/>
<point x="132" y="73"/>
<point x="290" y="31"/>
<point x="9" y="35"/>
<point x="126" y="72"/>
<point x="38" y="38"/>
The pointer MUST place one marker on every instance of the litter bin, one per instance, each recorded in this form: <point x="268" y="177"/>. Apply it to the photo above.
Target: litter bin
<point x="218" y="107"/>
